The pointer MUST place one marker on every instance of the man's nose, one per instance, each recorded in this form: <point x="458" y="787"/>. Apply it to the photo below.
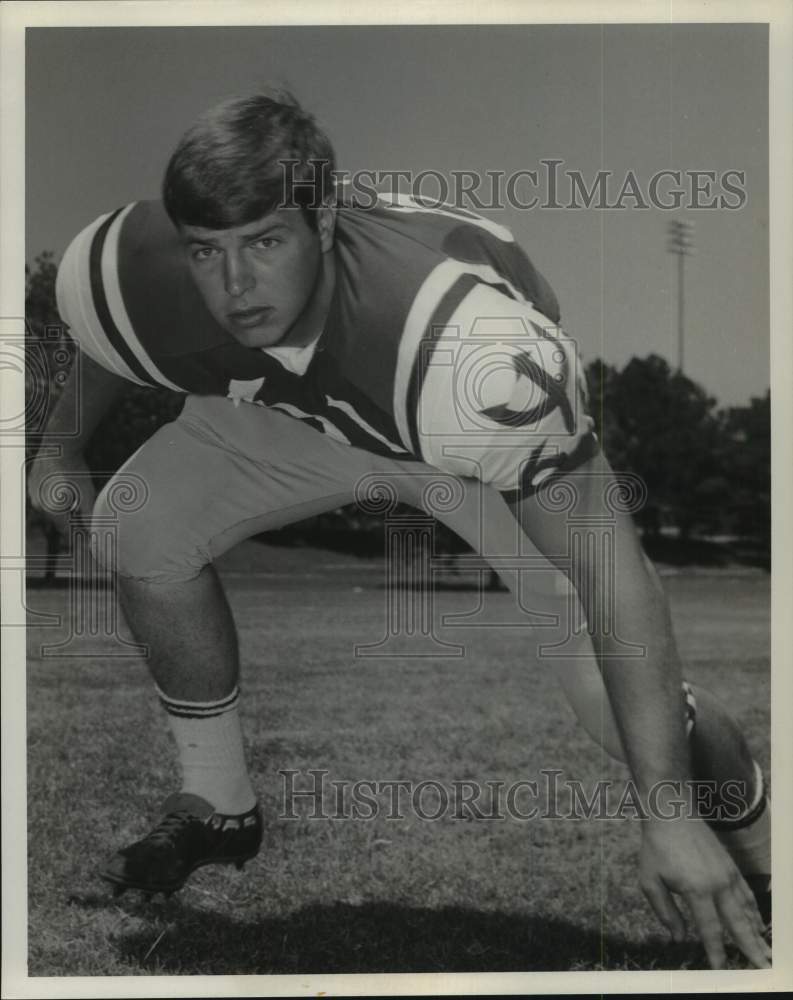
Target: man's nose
<point x="238" y="276"/>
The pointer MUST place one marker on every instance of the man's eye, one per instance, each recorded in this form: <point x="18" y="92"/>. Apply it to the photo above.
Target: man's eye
<point x="265" y="243"/>
<point x="204" y="253"/>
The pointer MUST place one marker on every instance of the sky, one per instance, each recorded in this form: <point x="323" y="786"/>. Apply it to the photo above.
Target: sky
<point x="106" y="106"/>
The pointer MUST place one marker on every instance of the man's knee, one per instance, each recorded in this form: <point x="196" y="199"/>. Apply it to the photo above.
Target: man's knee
<point x="133" y="537"/>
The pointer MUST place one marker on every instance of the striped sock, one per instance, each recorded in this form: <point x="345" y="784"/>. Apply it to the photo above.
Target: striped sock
<point x="209" y="740"/>
<point x="748" y="838"/>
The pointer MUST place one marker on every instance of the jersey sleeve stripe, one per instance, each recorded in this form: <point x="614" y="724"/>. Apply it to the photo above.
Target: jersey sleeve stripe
<point x="435" y="328"/>
<point x="106" y="320"/>
<point x="115" y="303"/>
<point x="538" y="470"/>
<point x="76" y="304"/>
<point x="420" y="317"/>
<point x="401" y="201"/>
<point x="489" y="275"/>
<point x="434" y="287"/>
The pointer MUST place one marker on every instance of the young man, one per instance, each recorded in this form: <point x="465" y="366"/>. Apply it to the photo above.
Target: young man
<point x="386" y="341"/>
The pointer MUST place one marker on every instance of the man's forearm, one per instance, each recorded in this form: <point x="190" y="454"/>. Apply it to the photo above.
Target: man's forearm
<point x="59" y="471"/>
<point x="89" y="391"/>
<point x="627" y="612"/>
<point x="644" y="691"/>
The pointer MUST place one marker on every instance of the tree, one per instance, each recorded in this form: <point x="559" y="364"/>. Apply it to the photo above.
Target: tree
<point x="602" y="382"/>
<point x="663" y="427"/>
<point x="49" y="352"/>
<point x="747" y="465"/>
<point x="40" y="306"/>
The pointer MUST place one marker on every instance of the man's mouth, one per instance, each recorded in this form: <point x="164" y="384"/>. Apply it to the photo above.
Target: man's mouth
<point x="249" y="317"/>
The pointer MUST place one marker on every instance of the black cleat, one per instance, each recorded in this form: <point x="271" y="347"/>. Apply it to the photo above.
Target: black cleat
<point x="761" y="890"/>
<point x="190" y="834"/>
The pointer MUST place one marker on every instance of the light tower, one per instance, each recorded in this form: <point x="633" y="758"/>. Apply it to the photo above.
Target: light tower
<point x="681" y="243"/>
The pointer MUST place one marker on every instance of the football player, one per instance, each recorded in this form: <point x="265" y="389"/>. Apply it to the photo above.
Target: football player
<point x="322" y="344"/>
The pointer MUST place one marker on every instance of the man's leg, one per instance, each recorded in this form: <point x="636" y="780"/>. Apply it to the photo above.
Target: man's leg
<point x="189" y="616"/>
<point x="216" y="476"/>
<point x="194" y="661"/>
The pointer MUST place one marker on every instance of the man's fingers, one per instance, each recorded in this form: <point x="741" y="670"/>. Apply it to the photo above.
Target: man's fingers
<point x="63" y="509"/>
<point x="740" y="922"/>
<point x="733" y="910"/>
<point x="708" y="924"/>
<point x="666" y="909"/>
<point x="750" y="904"/>
<point x="62" y="521"/>
<point x="59" y="521"/>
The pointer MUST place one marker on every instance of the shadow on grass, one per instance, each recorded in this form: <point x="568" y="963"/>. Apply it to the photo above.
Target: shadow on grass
<point x="382" y="937"/>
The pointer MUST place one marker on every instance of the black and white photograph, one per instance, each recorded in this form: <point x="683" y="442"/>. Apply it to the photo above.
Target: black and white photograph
<point x="388" y="559"/>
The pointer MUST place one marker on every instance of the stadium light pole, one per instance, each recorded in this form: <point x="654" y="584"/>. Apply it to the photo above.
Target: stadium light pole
<point x="681" y="243"/>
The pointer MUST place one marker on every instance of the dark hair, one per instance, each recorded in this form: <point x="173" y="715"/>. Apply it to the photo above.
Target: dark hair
<point x="246" y="157"/>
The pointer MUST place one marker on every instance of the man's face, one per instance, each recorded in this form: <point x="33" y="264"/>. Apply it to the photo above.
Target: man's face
<point x="257" y="279"/>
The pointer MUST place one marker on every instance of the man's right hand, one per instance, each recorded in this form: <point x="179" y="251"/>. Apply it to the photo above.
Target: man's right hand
<point x="683" y="857"/>
<point x="61" y="487"/>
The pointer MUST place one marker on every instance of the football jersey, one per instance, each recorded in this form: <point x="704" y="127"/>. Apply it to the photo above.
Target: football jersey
<point x="440" y="334"/>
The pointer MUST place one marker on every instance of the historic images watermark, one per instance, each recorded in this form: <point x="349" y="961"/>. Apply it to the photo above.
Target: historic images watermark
<point x="513" y="413"/>
<point x="550" y="185"/>
<point x="81" y="543"/>
<point x="312" y="794"/>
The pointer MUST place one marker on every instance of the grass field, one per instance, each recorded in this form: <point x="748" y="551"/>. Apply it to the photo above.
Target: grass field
<point x="335" y="895"/>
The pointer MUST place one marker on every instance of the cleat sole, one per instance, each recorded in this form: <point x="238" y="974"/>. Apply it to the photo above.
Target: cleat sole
<point x="121" y="886"/>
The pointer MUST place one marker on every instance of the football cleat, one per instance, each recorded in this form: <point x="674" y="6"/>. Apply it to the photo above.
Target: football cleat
<point x="761" y="890"/>
<point x="190" y="834"/>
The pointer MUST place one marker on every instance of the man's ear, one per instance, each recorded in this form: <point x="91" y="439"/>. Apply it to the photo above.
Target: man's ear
<point x="326" y="225"/>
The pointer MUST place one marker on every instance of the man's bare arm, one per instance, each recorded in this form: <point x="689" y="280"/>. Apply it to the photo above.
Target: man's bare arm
<point x="89" y="391"/>
<point x="680" y="856"/>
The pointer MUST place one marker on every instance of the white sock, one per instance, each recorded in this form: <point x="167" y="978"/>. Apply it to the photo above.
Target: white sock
<point x="749" y="843"/>
<point x="209" y="739"/>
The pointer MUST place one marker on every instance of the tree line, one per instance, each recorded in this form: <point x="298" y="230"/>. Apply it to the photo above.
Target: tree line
<point x="707" y="469"/>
